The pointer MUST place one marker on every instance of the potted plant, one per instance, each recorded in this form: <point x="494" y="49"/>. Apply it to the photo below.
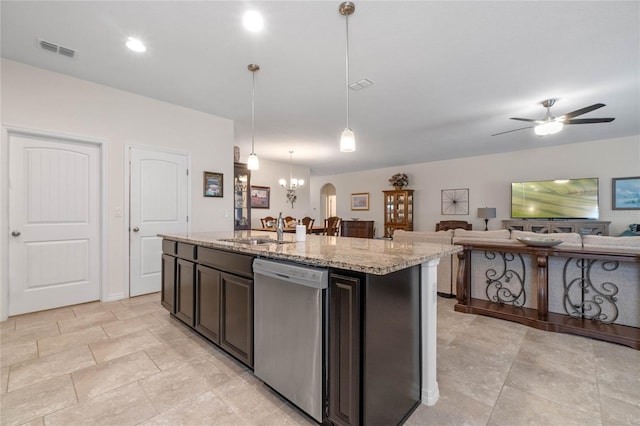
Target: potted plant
<point x="399" y="180"/>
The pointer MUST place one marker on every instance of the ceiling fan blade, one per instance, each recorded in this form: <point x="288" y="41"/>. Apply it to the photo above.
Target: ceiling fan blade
<point x="582" y="111"/>
<point x="588" y="120"/>
<point x="509" y="131"/>
<point x="524" y="119"/>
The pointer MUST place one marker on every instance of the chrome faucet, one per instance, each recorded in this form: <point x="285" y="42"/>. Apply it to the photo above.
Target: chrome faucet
<point x="280" y="227"/>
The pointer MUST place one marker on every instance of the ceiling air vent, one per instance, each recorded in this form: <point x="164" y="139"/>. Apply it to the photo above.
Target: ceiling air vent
<point x="53" y="47"/>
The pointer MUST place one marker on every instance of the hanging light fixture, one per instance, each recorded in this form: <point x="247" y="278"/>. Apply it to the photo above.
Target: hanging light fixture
<point x="348" y="139"/>
<point x="293" y="183"/>
<point x="252" y="162"/>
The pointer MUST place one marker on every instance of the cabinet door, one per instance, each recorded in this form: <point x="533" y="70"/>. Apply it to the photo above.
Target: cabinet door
<point x="236" y="323"/>
<point x="185" y="291"/>
<point x="208" y="303"/>
<point x="168" y="298"/>
<point x="344" y="350"/>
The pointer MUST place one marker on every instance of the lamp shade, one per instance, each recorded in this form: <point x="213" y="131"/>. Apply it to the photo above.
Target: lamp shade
<point x="347" y="141"/>
<point x="487" y="212"/>
<point x="253" y="163"/>
<point x="549" y="128"/>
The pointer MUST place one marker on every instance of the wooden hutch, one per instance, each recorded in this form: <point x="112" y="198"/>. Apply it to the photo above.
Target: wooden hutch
<point x="398" y="211"/>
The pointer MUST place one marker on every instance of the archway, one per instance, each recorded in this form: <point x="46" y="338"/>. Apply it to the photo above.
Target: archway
<point x="328" y="200"/>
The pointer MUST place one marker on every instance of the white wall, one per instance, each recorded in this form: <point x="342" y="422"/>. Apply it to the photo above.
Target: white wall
<point x="36" y="99"/>
<point x="269" y="174"/>
<point x="488" y="179"/>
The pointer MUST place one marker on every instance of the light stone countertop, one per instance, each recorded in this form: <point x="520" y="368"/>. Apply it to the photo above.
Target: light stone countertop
<point x="378" y="257"/>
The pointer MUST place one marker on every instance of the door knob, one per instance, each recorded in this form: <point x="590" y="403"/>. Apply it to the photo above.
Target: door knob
<point x="136" y="229"/>
<point x="15" y="233"/>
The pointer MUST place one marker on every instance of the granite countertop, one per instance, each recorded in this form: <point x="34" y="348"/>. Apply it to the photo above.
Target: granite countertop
<point x="378" y="257"/>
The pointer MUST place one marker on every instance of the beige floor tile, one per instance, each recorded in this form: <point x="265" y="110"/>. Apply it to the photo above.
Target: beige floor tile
<point x="249" y="396"/>
<point x="132" y="311"/>
<point x="568" y="342"/>
<point x="619" y="380"/>
<point x="4" y="380"/>
<point x="173" y="331"/>
<point x="553" y="385"/>
<point x="92" y="308"/>
<point x="204" y="409"/>
<point x="127" y="405"/>
<point x="43" y="317"/>
<point x="517" y="408"/>
<point x="106" y="350"/>
<point x="15" y="352"/>
<point x="286" y="415"/>
<point x="30" y="334"/>
<point x="447" y="411"/>
<point x="32" y="402"/>
<point x="171" y="387"/>
<point x="8" y="325"/>
<point x="616" y="412"/>
<point x="212" y="370"/>
<point x="86" y="321"/>
<point x="54" y="365"/>
<point x="553" y="357"/>
<point x="101" y="378"/>
<point x="130" y="325"/>
<point x="137" y="300"/>
<point x="169" y="355"/>
<point x="35" y="422"/>
<point x="63" y="342"/>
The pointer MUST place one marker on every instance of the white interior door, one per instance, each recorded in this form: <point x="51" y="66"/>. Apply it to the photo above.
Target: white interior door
<point x="159" y="186"/>
<point x="54" y="220"/>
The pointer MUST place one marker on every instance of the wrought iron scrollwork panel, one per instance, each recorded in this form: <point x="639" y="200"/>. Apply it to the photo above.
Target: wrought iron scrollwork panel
<point x="586" y="296"/>
<point x="505" y="283"/>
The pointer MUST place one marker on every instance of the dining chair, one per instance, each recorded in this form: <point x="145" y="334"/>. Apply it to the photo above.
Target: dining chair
<point x="332" y="226"/>
<point x="289" y="221"/>
<point x="268" y="222"/>
<point x="308" y="222"/>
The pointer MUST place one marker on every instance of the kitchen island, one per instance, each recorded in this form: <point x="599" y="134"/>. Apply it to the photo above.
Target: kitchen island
<point x="364" y="272"/>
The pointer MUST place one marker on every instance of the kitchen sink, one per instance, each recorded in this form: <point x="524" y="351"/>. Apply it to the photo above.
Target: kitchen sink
<point x="254" y="240"/>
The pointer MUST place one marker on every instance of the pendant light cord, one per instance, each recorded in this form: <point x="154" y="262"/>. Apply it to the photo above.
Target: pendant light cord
<point x="347" y="73"/>
<point x="253" y="110"/>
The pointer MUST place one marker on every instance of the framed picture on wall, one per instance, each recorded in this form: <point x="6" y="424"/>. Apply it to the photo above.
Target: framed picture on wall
<point x="212" y="184"/>
<point x="454" y="201"/>
<point x="260" y="197"/>
<point x="360" y="201"/>
<point x="625" y="193"/>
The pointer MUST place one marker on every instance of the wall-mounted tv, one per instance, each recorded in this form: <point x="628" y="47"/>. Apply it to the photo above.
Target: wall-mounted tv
<point x="555" y="199"/>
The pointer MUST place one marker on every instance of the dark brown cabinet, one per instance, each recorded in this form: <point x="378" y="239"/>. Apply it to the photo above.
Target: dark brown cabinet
<point x="236" y="323"/>
<point x="357" y="228"/>
<point x="374" y="347"/>
<point x="185" y="291"/>
<point x="208" y="303"/>
<point x="168" y="296"/>
<point x="211" y="291"/>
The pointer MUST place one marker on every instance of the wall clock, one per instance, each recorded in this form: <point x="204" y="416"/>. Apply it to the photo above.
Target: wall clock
<point x="455" y="201"/>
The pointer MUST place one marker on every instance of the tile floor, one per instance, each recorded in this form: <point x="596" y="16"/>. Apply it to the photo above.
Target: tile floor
<point x="129" y="363"/>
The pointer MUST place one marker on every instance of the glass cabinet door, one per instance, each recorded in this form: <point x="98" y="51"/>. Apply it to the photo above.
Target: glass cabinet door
<point x="241" y="207"/>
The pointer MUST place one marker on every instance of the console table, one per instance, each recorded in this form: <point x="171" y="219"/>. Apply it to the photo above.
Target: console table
<point x="357" y="228"/>
<point x="582" y="227"/>
<point x="587" y="301"/>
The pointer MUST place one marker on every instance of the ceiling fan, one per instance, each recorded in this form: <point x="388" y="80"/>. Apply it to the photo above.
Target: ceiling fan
<point x="551" y="125"/>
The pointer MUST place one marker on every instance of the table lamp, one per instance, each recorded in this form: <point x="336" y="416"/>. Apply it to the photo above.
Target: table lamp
<point x="486" y="213"/>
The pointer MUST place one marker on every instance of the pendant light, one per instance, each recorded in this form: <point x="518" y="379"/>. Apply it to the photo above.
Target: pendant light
<point x="252" y="162"/>
<point x="348" y="139"/>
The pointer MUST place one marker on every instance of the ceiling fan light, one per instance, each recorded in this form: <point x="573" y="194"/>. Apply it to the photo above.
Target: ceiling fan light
<point x="252" y="162"/>
<point x="347" y="141"/>
<point x="549" y="128"/>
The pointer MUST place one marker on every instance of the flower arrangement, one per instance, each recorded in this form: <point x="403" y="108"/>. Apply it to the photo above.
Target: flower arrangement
<point x="399" y="180"/>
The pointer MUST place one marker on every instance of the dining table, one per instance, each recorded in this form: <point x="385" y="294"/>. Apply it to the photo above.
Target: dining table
<point x="292" y="229"/>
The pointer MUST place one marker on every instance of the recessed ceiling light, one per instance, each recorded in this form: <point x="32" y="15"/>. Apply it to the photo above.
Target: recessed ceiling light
<point x="135" y="45"/>
<point x="253" y="21"/>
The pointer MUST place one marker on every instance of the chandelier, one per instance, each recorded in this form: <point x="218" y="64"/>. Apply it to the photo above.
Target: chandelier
<point x="293" y="183"/>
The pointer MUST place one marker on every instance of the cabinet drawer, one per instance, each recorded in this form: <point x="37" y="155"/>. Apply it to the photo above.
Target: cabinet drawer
<point x="187" y="251"/>
<point x="235" y="263"/>
<point x="169" y="247"/>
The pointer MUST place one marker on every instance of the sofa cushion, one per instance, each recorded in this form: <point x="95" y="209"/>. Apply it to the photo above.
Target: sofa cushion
<point x="402" y="235"/>
<point x="566" y="237"/>
<point x="600" y="240"/>
<point x="495" y="234"/>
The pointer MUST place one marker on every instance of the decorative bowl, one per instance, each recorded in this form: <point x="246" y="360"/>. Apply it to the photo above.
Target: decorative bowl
<point x="355" y="218"/>
<point x="539" y="242"/>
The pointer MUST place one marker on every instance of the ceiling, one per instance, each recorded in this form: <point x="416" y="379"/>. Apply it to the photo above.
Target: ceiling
<point x="447" y="74"/>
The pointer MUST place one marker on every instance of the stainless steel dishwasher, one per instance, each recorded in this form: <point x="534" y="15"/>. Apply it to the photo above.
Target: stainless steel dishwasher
<point x="290" y="303"/>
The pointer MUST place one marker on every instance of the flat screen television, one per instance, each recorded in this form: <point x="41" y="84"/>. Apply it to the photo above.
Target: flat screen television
<point x="555" y="199"/>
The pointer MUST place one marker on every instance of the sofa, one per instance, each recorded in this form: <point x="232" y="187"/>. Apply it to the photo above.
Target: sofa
<point x="574" y="283"/>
